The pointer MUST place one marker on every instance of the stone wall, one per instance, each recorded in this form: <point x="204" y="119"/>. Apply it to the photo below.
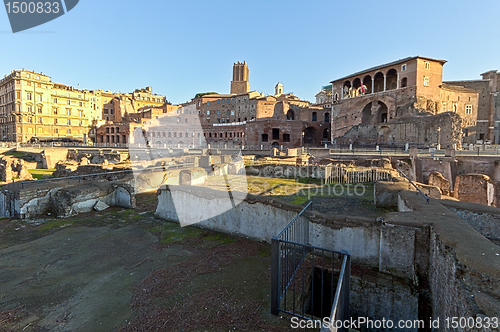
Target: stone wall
<point x="442" y="260"/>
<point x="474" y="188"/>
<point x="13" y="169"/>
<point x="84" y="198"/>
<point x="484" y="219"/>
<point x="437" y="179"/>
<point x="62" y="197"/>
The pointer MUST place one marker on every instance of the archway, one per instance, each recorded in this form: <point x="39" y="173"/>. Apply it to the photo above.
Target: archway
<point x="326" y="135"/>
<point x="366" y="114"/>
<point x="367" y="82"/>
<point x="308" y="135"/>
<point x="379" y="82"/>
<point x="290" y="115"/>
<point x="356" y="84"/>
<point x="382" y="112"/>
<point x="392" y="79"/>
<point x="404" y="82"/>
<point x="275" y="145"/>
<point x="346" y="89"/>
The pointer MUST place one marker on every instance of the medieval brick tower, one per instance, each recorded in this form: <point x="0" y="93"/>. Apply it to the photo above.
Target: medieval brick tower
<point x="240" y="84"/>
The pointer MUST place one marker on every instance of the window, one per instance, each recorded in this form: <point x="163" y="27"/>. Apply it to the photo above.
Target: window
<point x="208" y="112"/>
<point x="55" y="110"/>
<point x="56" y="130"/>
<point x="218" y="112"/>
<point x="426" y="81"/>
<point x="468" y="109"/>
<point x="276" y="133"/>
<point x="68" y="111"/>
<point x="444" y="107"/>
<point x="40" y="97"/>
<point x="327" y="117"/>
<point x="403" y="67"/>
<point x="228" y="112"/>
<point x="80" y="123"/>
<point x="232" y="112"/>
<point x="69" y="122"/>
<point x="315" y="116"/>
<point x="427" y="65"/>
<point x="208" y="103"/>
<point x="68" y="102"/>
<point x="30" y="120"/>
<point x="55" y="121"/>
<point x="69" y="131"/>
<point x="30" y="108"/>
<point x="80" y="113"/>
<point x="264" y="138"/>
<point x="28" y="95"/>
<point x="40" y="121"/>
<point x="286" y="137"/>
<point x="55" y="100"/>
<point x="80" y="104"/>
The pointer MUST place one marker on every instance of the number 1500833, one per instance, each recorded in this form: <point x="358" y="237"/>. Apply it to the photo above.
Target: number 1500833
<point x="32" y="7"/>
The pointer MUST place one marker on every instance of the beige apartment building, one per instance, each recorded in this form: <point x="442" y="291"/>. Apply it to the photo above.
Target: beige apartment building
<point x="32" y="107"/>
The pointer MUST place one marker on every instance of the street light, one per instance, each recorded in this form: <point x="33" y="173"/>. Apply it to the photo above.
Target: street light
<point x="438" y="147"/>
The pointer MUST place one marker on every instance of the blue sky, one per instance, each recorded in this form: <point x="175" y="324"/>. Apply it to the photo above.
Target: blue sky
<point x="185" y="47"/>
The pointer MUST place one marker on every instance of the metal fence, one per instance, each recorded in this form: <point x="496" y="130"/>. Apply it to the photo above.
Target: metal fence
<point x="341" y="174"/>
<point x="308" y="282"/>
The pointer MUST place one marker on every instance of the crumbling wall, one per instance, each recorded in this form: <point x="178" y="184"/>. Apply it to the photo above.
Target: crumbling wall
<point x="13" y="169"/>
<point x="438" y="180"/>
<point x="474" y="188"/>
<point x="85" y="198"/>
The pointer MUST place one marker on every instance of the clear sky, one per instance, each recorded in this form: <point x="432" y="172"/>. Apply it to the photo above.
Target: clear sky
<point x="184" y="47"/>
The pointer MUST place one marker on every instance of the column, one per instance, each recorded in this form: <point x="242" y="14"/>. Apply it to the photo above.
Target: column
<point x="373" y="84"/>
<point x="397" y="82"/>
<point x="385" y="82"/>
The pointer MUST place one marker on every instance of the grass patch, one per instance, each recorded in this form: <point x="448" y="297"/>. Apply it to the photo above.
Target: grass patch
<point x="219" y="238"/>
<point x="171" y="233"/>
<point x="16" y="154"/>
<point x="39" y="172"/>
<point x="55" y="223"/>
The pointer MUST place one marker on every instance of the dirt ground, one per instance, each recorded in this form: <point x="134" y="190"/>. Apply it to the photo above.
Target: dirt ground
<point x="124" y="270"/>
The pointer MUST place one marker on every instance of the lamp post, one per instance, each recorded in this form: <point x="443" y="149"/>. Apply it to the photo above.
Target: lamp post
<point x="438" y="146"/>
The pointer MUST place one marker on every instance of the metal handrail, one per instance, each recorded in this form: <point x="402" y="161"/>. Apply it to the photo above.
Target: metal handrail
<point x="418" y="189"/>
<point x="293" y="220"/>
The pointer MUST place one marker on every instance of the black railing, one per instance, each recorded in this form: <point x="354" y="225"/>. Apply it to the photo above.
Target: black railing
<point x="308" y="282"/>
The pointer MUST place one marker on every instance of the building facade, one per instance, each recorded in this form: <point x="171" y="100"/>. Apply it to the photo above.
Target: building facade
<point x="388" y="104"/>
<point x="33" y="108"/>
<point x="488" y="112"/>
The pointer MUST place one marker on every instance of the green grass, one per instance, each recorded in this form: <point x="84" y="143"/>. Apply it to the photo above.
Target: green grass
<point x="55" y="223"/>
<point x="16" y="154"/>
<point x="38" y="173"/>
<point x="171" y="233"/>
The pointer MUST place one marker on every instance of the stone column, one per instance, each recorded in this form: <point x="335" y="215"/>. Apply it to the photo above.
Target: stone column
<point x="397" y="82"/>
<point x="385" y="82"/>
<point x="373" y="84"/>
